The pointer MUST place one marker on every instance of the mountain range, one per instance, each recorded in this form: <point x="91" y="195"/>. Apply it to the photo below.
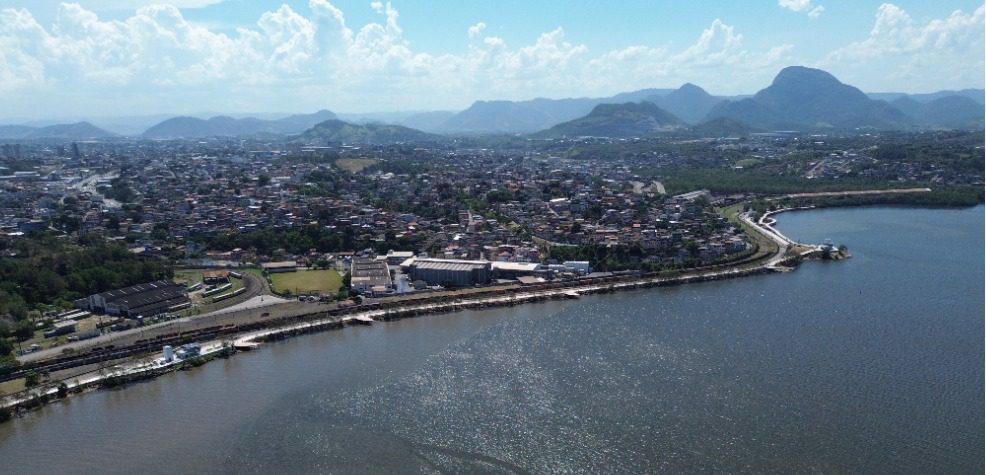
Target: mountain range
<point x="799" y="98"/>
<point x="224" y="126"/>
<point x="493" y="117"/>
<point x="953" y="112"/>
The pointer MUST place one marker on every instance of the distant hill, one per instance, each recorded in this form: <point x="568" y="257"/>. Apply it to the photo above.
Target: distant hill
<point x="500" y="117"/>
<point x="689" y="102"/>
<point x="635" y="96"/>
<point x="337" y="131"/>
<point x="224" y="126"/>
<point x="952" y="112"/>
<point x="632" y="119"/>
<point x="76" y="131"/>
<point x="484" y="117"/>
<point x="722" y="127"/>
<point x="806" y="98"/>
<point x="426" y="121"/>
<point x="15" y="131"/>
<point x="297" y="123"/>
<point x="978" y="95"/>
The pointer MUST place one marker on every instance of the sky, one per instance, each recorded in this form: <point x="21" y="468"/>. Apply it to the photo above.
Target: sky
<point x="103" y="58"/>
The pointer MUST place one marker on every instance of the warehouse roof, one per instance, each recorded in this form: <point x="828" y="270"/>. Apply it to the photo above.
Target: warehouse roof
<point x="449" y="264"/>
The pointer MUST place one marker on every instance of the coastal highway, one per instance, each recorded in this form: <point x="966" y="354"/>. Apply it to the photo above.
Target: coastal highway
<point x="853" y="193"/>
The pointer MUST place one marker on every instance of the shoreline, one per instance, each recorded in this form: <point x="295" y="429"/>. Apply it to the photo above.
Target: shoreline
<point x="245" y="340"/>
<point x="124" y="373"/>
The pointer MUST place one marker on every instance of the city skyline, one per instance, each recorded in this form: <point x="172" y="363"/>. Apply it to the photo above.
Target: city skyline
<point x="127" y="57"/>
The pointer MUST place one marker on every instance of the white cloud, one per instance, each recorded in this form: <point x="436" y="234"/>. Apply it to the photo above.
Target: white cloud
<point x="794" y="5"/>
<point x="135" y="4"/>
<point x="813" y="11"/>
<point x="717" y="60"/>
<point x="476" y="30"/>
<point x="904" y="52"/>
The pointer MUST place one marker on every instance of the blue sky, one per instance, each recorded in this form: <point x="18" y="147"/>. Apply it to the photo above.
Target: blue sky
<point x="129" y="57"/>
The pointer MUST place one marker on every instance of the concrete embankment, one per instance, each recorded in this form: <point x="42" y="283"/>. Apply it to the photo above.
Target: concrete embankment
<point x="34" y="398"/>
<point x="516" y="298"/>
<point x="767" y="222"/>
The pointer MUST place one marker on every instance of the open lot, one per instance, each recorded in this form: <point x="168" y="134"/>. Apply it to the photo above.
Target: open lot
<point x="303" y="281"/>
<point x="354" y="165"/>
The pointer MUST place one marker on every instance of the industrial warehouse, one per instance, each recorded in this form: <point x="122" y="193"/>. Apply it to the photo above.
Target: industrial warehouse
<point x="141" y="300"/>
<point x="373" y="276"/>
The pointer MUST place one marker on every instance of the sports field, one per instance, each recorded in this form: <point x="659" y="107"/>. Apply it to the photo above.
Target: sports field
<point x="305" y="281"/>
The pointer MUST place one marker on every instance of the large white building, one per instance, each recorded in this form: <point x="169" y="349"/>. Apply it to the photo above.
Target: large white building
<point x="450" y="272"/>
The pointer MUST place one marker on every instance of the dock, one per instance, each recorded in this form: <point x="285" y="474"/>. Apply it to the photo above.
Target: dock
<point x="245" y="345"/>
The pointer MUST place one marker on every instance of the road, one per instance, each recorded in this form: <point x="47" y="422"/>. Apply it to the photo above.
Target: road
<point x="783" y="243"/>
<point x="89" y="185"/>
<point x="853" y="193"/>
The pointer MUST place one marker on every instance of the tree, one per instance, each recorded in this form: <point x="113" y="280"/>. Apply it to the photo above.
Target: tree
<point x="24" y="330"/>
<point x="263" y="180"/>
<point x="32" y="379"/>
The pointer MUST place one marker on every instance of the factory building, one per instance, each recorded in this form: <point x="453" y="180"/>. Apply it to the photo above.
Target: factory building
<point x="370" y="276"/>
<point x="579" y="267"/>
<point x="147" y="300"/>
<point x="450" y="272"/>
<point x="513" y="270"/>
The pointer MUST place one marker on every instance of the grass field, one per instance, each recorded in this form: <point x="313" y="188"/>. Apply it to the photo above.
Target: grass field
<point x="189" y="277"/>
<point x="304" y="281"/>
<point x="354" y="165"/>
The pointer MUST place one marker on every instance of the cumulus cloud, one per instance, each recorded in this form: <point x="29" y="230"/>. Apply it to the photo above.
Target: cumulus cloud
<point x="476" y="30"/>
<point x="717" y="55"/>
<point x="904" y="51"/>
<point x="135" y="4"/>
<point x="794" y="5"/>
<point x="813" y="11"/>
